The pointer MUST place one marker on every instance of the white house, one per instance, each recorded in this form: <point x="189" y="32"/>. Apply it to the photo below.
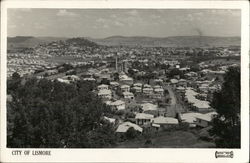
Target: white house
<point x="137" y="89"/>
<point x="137" y="85"/>
<point x="106" y="94"/>
<point x="125" y="88"/>
<point x="122" y="128"/>
<point x="143" y="118"/>
<point x="71" y="77"/>
<point x="159" y="91"/>
<point x="190" y="118"/>
<point x="147" y="86"/>
<point x="119" y="105"/>
<point x="63" y="80"/>
<point x="114" y="84"/>
<point x="126" y="79"/>
<point x="128" y="95"/>
<point x="89" y="79"/>
<point x="165" y="122"/>
<point x="111" y="120"/>
<point x="196" y="104"/>
<point x="103" y="87"/>
<point x="204" y="120"/>
<point x="174" y="81"/>
<point x="148" y="106"/>
<point x="147" y="91"/>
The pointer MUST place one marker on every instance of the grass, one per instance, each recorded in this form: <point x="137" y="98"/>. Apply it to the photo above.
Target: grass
<point x="169" y="139"/>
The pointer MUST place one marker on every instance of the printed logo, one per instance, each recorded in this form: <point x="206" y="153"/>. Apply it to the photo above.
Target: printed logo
<point x="224" y="154"/>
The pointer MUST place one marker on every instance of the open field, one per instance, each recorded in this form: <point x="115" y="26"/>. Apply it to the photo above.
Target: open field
<point x="169" y="139"/>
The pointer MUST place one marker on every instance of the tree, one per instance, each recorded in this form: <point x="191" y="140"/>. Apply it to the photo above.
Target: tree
<point x="52" y="114"/>
<point x="131" y="133"/>
<point x="174" y="72"/>
<point x="116" y="76"/>
<point x="226" y="125"/>
<point x="15" y="76"/>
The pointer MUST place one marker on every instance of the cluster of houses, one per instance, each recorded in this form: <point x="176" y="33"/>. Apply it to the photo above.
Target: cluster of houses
<point x="149" y="116"/>
<point x="157" y="123"/>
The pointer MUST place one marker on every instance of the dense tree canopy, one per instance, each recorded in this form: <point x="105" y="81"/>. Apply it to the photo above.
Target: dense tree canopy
<point x="51" y="114"/>
<point x="226" y="126"/>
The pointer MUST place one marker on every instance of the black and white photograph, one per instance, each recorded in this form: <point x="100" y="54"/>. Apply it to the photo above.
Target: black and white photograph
<point x="124" y="78"/>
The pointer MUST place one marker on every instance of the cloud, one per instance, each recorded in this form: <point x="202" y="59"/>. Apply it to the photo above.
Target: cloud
<point x="118" y="24"/>
<point x="101" y="20"/>
<point x="66" y="13"/>
<point x="155" y="16"/>
<point x="25" y="9"/>
<point x="113" y="16"/>
<point x="133" y="12"/>
<point x="228" y="12"/>
<point x="39" y="25"/>
<point x="105" y="26"/>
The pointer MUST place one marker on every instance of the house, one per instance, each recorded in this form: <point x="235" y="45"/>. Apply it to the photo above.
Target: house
<point x="204" y="87"/>
<point x="148" y="106"/>
<point x="147" y="91"/>
<point x="190" y="75"/>
<point x="182" y="83"/>
<point x="180" y="89"/>
<point x="125" y="88"/>
<point x="114" y="84"/>
<point x="137" y="89"/>
<point x="201" y="106"/>
<point x="171" y="62"/>
<point x="118" y="105"/>
<point x="89" y="79"/>
<point x="122" y="128"/>
<point x="157" y="87"/>
<point x="63" y="80"/>
<point x="156" y="96"/>
<point x="71" y="78"/>
<point x="204" y="120"/>
<point x="105" y="94"/>
<point x="165" y="122"/>
<point x="126" y="80"/>
<point x="147" y="86"/>
<point x="111" y="120"/>
<point x="174" y="81"/>
<point x="128" y="95"/>
<point x="194" y="103"/>
<point x="103" y="87"/>
<point x="190" y="118"/>
<point x="159" y="91"/>
<point x="158" y="81"/>
<point x="143" y="118"/>
<point x="52" y="72"/>
<point x="137" y="85"/>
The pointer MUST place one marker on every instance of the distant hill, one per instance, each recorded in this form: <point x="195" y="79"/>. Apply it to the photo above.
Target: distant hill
<point x="81" y="41"/>
<point x="177" y="41"/>
<point x="29" y="41"/>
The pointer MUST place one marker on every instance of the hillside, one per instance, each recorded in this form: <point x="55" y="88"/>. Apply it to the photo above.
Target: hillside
<point x="81" y="41"/>
<point x="178" y="41"/>
<point x="29" y="41"/>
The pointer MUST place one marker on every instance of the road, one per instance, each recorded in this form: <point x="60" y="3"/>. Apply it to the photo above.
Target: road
<point x="173" y="108"/>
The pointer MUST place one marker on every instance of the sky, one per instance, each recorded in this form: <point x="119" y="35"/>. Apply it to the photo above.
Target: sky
<point x="101" y="23"/>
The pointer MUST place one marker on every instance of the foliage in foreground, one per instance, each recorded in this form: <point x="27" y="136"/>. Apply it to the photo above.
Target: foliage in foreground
<point x="226" y="126"/>
<point x="56" y="115"/>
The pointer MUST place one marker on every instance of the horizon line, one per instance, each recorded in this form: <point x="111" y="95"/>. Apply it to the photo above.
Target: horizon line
<point x="121" y="36"/>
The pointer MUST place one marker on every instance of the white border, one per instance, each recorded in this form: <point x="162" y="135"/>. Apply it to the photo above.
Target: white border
<point x="133" y="155"/>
